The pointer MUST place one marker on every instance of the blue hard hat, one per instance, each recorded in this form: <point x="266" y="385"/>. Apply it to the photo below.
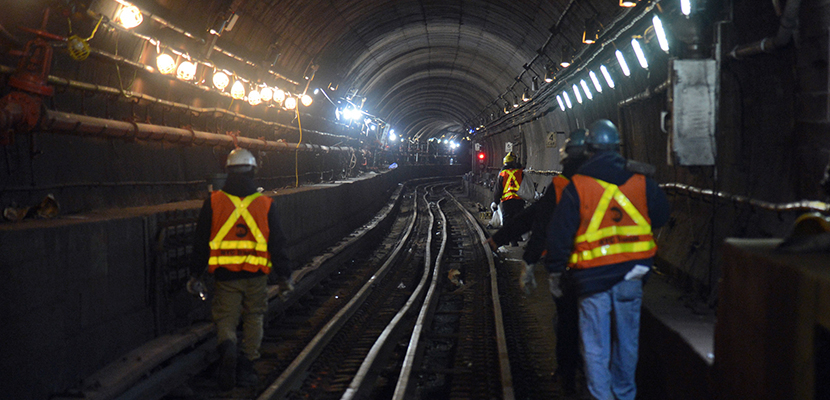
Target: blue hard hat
<point x="602" y="135"/>
<point x="574" y="145"/>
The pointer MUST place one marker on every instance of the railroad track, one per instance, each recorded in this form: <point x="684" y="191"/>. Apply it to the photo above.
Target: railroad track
<point x="415" y="316"/>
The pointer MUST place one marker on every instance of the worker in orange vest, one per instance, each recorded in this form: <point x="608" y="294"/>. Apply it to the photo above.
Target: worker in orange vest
<point x="506" y="192"/>
<point x="601" y="234"/>
<point x="535" y="218"/>
<point x="239" y="238"/>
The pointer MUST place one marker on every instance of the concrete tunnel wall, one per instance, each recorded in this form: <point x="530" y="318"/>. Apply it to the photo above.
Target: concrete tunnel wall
<point x="83" y="290"/>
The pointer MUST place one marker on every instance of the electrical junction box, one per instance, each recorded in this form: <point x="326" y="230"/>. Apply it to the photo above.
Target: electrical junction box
<point x="693" y="99"/>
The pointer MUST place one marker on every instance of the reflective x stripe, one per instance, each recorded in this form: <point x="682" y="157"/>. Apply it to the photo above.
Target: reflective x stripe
<point x="610" y="249"/>
<point x="231" y="260"/>
<point x="240" y="211"/>
<point x="593" y="233"/>
<point x="511" y="178"/>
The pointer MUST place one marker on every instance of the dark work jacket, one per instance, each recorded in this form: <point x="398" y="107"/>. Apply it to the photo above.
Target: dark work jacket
<point x="240" y="185"/>
<point x="608" y="166"/>
<point x="535" y="218"/>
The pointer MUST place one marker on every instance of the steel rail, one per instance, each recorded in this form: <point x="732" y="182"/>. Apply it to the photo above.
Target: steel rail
<point x="501" y="340"/>
<point x="290" y="377"/>
<point x="415" y="339"/>
<point x="359" y="381"/>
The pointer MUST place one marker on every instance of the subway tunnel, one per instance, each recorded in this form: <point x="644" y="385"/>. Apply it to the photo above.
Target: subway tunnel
<point x="116" y="120"/>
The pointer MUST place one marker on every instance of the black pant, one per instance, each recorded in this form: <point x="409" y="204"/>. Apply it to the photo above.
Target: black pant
<point x="509" y="210"/>
<point x="567" y="335"/>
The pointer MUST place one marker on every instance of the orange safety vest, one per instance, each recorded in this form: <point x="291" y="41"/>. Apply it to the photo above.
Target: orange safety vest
<point x="239" y="233"/>
<point x="614" y="224"/>
<point x="559" y="183"/>
<point x="512" y="179"/>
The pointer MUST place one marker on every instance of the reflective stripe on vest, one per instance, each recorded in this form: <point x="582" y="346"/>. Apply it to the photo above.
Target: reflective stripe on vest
<point x="511" y="184"/>
<point x="242" y="253"/>
<point x="597" y="245"/>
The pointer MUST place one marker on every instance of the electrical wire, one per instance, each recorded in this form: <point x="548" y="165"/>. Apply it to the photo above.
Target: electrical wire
<point x="297" y="151"/>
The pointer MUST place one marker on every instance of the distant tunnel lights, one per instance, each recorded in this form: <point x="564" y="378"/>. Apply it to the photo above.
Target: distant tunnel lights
<point x="607" y="76"/>
<point x="640" y="55"/>
<point x="623" y="64"/>
<point x="130" y="17"/>
<point x="165" y="64"/>
<point x="661" y="34"/>
<point x="595" y="81"/>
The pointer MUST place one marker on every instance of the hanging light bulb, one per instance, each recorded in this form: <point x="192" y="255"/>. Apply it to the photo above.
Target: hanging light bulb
<point x="165" y="63"/>
<point x="534" y="84"/>
<point x="279" y="96"/>
<point x="306" y="100"/>
<point x="186" y="70"/>
<point x="290" y="103"/>
<point x="561" y="104"/>
<point x="591" y="33"/>
<point x="238" y="90"/>
<point x="595" y="81"/>
<point x="266" y="93"/>
<point x="623" y="64"/>
<point x="686" y="7"/>
<point x="130" y="17"/>
<point x="525" y="96"/>
<point x="549" y="73"/>
<point x="567" y="99"/>
<point x="628" y="3"/>
<point x="565" y="64"/>
<point x="661" y="34"/>
<point x="585" y="89"/>
<point x="254" y="98"/>
<point x="607" y="76"/>
<point x="515" y="101"/>
<point x="220" y="80"/>
<point x="576" y="93"/>
<point x="639" y="52"/>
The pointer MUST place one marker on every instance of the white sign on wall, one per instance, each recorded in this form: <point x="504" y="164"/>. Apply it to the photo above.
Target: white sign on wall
<point x="508" y="147"/>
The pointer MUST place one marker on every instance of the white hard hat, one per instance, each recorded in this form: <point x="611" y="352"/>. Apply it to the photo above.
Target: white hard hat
<point x="241" y="157"/>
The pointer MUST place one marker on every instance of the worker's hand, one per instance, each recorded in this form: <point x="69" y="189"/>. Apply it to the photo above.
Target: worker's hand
<point x="492" y="243"/>
<point x="554" y="284"/>
<point x="527" y="280"/>
<point x="196" y="287"/>
<point x="286" y="287"/>
<point x="494" y="206"/>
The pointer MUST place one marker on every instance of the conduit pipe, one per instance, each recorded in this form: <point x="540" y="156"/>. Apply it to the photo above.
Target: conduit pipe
<point x="91" y="126"/>
<point x="803" y="205"/>
<point x="789" y="21"/>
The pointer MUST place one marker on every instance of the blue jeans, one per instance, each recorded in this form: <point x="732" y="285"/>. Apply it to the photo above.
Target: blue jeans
<point x="609" y="324"/>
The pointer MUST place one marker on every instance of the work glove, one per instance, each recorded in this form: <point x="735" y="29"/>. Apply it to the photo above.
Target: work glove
<point x="286" y="287"/>
<point x="554" y="284"/>
<point x="527" y="280"/>
<point x="494" y="206"/>
<point x="196" y="287"/>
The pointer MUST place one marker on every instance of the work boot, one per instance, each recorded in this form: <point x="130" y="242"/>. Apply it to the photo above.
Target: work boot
<point x="227" y="365"/>
<point x="245" y="374"/>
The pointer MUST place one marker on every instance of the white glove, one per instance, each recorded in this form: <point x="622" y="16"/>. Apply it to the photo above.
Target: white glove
<point x="196" y="287"/>
<point x="286" y="287"/>
<point x="494" y="206"/>
<point x="553" y="284"/>
<point x="527" y="280"/>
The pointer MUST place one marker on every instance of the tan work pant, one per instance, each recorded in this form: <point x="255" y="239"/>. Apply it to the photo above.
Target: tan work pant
<point x="246" y="298"/>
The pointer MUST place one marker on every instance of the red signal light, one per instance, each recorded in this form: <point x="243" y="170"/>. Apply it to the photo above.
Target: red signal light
<point x="481" y="156"/>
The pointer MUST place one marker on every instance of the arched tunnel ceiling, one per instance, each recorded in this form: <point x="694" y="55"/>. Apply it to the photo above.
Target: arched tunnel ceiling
<point x="424" y="66"/>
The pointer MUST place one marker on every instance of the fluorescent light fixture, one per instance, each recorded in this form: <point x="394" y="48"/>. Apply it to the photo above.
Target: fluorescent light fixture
<point x="567" y="99"/>
<point x="586" y="90"/>
<point x="595" y="81"/>
<point x="238" y="90"/>
<point x="661" y="34"/>
<point x="165" y="63"/>
<point x="561" y="104"/>
<point x="576" y="93"/>
<point x="639" y="52"/>
<point x="623" y="64"/>
<point x="607" y="76"/>
<point x="221" y="80"/>
<point x="686" y="7"/>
